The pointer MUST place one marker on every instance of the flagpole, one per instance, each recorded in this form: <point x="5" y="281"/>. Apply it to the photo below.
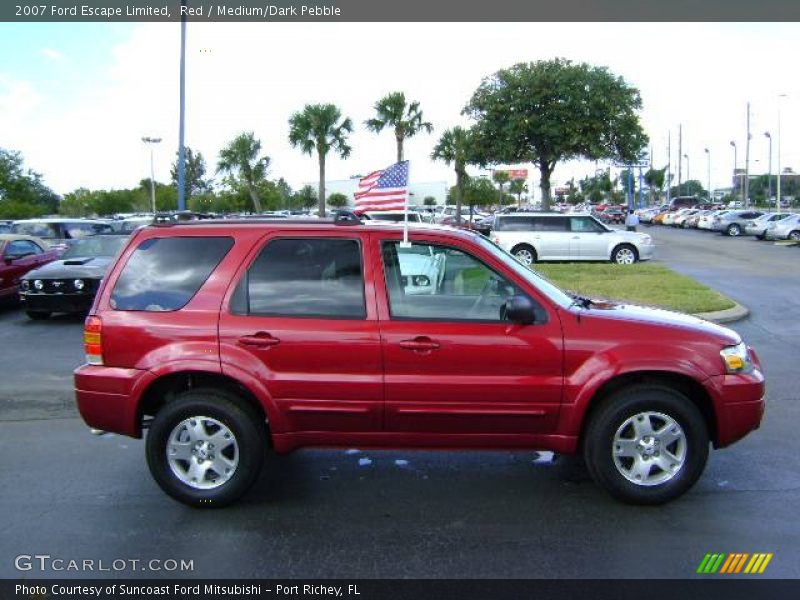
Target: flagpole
<point x="405" y="243"/>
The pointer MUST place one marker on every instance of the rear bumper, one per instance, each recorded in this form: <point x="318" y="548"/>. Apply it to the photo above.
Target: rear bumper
<point x="108" y="397"/>
<point x="742" y="406"/>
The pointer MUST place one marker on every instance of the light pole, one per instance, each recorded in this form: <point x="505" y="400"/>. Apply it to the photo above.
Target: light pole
<point x="686" y="156"/>
<point x="708" y="155"/>
<point x="778" y="194"/>
<point x="151" y="141"/>
<point x="769" y="169"/>
<point x="735" y="165"/>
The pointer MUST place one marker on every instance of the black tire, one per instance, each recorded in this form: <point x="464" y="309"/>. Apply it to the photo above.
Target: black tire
<point x="249" y="435"/>
<point x="733" y="230"/>
<point x="38" y="315"/>
<point x="625" y="254"/>
<point x="794" y="236"/>
<point x="623" y="407"/>
<point x="525" y="250"/>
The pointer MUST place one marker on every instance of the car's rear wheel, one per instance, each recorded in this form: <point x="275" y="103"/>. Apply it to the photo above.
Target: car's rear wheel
<point x="38" y="315"/>
<point x="795" y="236"/>
<point x="205" y="448"/>
<point x="646" y="444"/>
<point x="624" y="255"/>
<point x="525" y="254"/>
<point x="733" y="230"/>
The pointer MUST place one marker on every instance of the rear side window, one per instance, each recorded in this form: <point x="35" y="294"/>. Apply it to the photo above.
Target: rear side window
<point x="41" y="230"/>
<point x="309" y="277"/>
<point x="163" y="274"/>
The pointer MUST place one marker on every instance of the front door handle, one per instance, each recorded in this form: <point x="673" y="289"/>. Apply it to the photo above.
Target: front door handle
<point x="420" y="344"/>
<point x="262" y="339"/>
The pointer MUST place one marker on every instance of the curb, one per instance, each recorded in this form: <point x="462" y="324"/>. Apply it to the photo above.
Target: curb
<point x="729" y="315"/>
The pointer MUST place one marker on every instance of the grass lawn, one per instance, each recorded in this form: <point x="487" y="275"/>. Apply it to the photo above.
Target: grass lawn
<point x="651" y="284"/>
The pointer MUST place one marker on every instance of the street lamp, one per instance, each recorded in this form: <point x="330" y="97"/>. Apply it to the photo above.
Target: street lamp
<point x="708" y="155"/>
<point x="686" y="156"/>
<point x="735" y="164"/>
<point x="778" y="195"/>
<point x="151" y="141"/>
<point x="769" y="173"/>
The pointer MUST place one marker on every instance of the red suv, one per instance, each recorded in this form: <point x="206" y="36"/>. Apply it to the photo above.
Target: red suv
<point x="229" y="340"/>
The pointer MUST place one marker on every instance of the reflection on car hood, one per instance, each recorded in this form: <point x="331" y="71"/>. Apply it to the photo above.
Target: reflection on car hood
<point x="661" y="317"/>
<point x="90" y="267"/>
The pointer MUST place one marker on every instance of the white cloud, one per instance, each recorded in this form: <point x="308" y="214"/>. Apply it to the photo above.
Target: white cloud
<point x="51" y="54"/>
<point x="254" y="76"/>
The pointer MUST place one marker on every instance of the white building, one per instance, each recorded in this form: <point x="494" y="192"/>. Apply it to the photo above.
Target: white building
<point x="417" y="191"/>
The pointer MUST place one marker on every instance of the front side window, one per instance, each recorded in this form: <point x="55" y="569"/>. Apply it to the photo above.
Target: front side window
<point x="163" y="274"/>
<point x="585" y="225"/>
<point x="432" y="282"/>
<point x="304" y="277"/>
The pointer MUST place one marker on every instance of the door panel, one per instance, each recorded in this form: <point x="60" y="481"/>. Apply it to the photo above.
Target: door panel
<point x="453" y="366"/>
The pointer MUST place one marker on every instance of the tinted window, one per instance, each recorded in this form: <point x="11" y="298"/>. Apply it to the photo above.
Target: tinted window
<point x="430" y="282"/>
<point x="585" y="224"/>
<point x="78" y="229"/>
<point x="42" y="230"/>
<point x="165" y="273"/>
<point x="518" y="223"/>
<point x="100" y="245"/>
<point x="20" y="247"/>
<point x="306" y="278"/>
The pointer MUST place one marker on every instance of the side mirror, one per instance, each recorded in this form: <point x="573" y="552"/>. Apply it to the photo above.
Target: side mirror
<point x="520" y="309"/>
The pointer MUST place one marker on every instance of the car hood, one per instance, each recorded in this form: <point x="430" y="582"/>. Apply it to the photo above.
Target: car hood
<point x="90" y="267"/>
<point x="657" y="317"/>
<point x="630" y="236"/>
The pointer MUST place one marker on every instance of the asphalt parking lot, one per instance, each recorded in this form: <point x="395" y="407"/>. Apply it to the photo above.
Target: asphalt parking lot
<point x="351" y="513"/>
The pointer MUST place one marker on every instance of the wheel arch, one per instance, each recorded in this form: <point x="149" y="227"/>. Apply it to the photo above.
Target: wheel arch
<point x="680" y="382"/>
<point x="619" y="245"/>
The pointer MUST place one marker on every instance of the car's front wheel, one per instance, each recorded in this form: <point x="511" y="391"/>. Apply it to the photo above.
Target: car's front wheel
<point x="205" y="448"/>
<point x="733" y="230"/>
<point x="646" y="444"/>
<point x="525" y="254"/>
<point x="624" y="255"/>
<point x="795" y="236"/>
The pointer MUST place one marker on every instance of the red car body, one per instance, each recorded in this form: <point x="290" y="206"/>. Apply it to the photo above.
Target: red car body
<point x="387" y="382"/>
<point x="14" y="266"/>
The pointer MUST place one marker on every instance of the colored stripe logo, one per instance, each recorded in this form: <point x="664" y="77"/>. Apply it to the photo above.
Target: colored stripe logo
<point x="737" y="562"/>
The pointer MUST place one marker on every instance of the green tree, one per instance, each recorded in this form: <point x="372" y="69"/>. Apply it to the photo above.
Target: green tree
<point x="550" y="111"/>
<point x="337" y="200"/>
<point x="501" y="178"/>
<point x="194" y="181"/>
<point x="22" y="187"/>
<point x="429" y="201"/>
<point x="405" y="119"/>
<point x="240" y="158"/>
<point x="453" y="148"/>
<point x="320" y="128"/>
<point x="518" y="187"/>
<point x="480" y="191"/>
<point x="305" y="198"/>
<point x="693" y="187"/>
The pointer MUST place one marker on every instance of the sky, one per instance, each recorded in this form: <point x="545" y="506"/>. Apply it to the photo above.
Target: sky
<point x="76" y="99"/>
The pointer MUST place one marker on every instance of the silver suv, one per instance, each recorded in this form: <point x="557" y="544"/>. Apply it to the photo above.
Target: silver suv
<point x="554" y="236"/>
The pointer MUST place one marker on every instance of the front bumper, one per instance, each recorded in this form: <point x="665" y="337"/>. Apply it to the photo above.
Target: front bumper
<point x="67" y="303"/>
<point x="742" y="405"/>
<point x="647" y="251"/>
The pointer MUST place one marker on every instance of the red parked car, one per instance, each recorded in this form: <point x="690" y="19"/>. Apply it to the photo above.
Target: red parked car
<point x="230" y="340"/>
<point x="18" y="255"/>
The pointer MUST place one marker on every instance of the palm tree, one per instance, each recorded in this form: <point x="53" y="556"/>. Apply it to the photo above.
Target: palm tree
<point x="501" y="178"/>
<point x="518" y="187"/>
<point x="320" y="127"/>
<point x="405" y="119"/>
<point x="453" y="147"/>
<point x="241" y="155"/>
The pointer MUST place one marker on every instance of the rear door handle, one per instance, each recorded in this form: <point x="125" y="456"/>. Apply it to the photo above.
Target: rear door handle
<point x="420" y="344"/>
<point x="262" y="339"/>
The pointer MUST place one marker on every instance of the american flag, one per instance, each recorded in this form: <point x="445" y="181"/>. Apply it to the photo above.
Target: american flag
<point x="383" y="190"/>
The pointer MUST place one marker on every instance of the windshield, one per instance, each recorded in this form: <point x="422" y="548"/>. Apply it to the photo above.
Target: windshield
<point x="535" y="279"/>
<point x="95" y="246"/>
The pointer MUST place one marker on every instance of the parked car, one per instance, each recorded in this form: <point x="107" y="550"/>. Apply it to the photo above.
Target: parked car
<point x="692" y="221"/>
<point x="613" y="215"/>
<point x="706" y="221"/>
<point x="395" y="216"/>
<point x="680" y="218"/>
<point x="5" y="226"/>
<point x="733" y="222"/>
<point x="787" y="228"/>
<point x="758" y="226"/>
<point x="20" y="254"/>
<point x="68" y="285"/>
<point x="422" y="269"/>
<point x="683" y="202"/>
<point x="532" y="237"/>
<point x="58" y="232"/>
<point x="231" y="340"/>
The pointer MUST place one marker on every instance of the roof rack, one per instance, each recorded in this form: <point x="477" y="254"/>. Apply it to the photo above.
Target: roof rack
<point x="339" y="218"/>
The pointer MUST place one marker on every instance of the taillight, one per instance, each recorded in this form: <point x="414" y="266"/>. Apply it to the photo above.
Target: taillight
<point x="93" y="340"/>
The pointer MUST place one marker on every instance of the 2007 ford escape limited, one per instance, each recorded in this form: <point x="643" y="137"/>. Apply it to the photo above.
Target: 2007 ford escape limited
<point x="229" y="340"/>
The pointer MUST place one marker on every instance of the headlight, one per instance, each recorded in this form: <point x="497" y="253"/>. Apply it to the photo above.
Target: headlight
<point x="736" y="358"/>
<point x="25" y="285"/>
<point x="38" y="284"/>
<point x="422" y="280"/>
<point x="78" y="283"/>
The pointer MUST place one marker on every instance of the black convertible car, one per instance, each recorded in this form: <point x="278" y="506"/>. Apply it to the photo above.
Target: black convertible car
<point x="69" y="285"/>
